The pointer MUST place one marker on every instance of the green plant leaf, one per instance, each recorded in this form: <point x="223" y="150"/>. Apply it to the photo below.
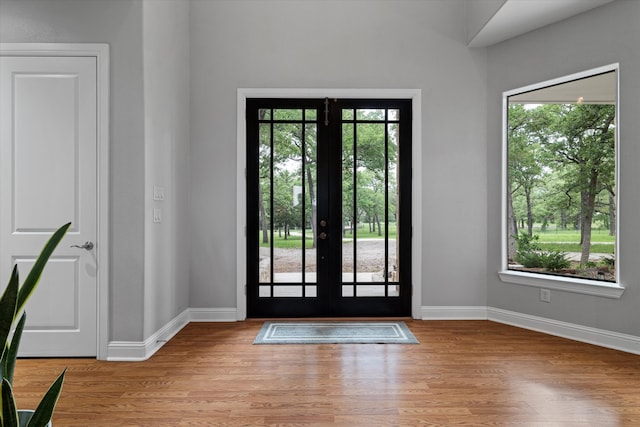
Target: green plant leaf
<point x="12" y="353"/>
<point x="7" y="314"/>
<point x="33" y="278"/>
<point x="9" y="413"/>
<point x="44" y="411"/>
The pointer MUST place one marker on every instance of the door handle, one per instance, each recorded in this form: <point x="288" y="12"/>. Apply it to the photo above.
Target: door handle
<point x="322" y="235"/>
<point x="87" y="245"/>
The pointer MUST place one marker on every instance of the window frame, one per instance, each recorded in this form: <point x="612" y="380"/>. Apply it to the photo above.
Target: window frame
<point x="563" y="283"/>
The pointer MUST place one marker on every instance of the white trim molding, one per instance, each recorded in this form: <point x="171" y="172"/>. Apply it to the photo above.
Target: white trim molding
<point x="450" y="312"/>
<point x="564" y="283"/>
<point x="138" y="351"/>
<point x="102" y="244"/>
<point x="225" y="314"/>
<point x="133" y="351"/>
<point x="416" y="192"/>
<point x="599" y="337"/>
<point x="577" y="286"/>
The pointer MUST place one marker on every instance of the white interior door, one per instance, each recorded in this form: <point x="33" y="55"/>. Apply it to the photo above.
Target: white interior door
<point x="48" y="143"/>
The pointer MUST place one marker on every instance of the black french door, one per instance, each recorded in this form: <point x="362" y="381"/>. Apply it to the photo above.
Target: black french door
<point x="328" y="207"/>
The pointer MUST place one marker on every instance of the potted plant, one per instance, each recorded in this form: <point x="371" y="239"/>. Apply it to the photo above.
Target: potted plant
<point x="11" y="305"/>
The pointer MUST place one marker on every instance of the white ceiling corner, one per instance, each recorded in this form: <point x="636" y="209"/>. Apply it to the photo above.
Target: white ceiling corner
<point x="516" y="17"/>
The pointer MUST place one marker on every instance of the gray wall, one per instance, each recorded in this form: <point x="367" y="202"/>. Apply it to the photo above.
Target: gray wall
<point x="323" y="44"/>
<point x="166" y="96"/>
<point x="149" y="78"/>
<point x="118" y="23"/>
<point x="602" y="36"/>
<point x="343" y="44"/>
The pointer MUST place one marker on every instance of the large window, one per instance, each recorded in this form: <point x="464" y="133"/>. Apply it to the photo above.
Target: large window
<point x="560" y="181"/>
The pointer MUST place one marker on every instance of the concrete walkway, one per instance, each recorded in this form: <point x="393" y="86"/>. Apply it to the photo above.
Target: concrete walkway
<point x="575" y="256"/>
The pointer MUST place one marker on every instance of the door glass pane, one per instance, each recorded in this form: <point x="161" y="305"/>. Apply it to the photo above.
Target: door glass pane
<point x="311" y="114"/>
<point x="370" y="201"/>
<point x="264" y="114"/>
<point x="287" y="201"/>
<point x="370" y="114"/>
<point x="393" y="177"/>
<point x="287" y="114"/>
<point x="310" y="213"/>
<point x="287" y="180"/>
<point x="264" y="205"/>
<point x="348" y="229"/>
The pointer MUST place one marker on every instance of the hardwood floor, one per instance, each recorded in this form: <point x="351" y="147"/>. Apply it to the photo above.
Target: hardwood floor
<point x="462" y="373"/>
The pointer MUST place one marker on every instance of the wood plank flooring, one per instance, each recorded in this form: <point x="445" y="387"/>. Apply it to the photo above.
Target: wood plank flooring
<point x="477" y="373"/>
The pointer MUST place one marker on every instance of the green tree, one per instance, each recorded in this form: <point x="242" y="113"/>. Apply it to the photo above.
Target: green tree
<point x="584" y="144"/>
<point x="295" y="150"/>
<point x="364" y="151"/>
<point x="526" y="130"/>
<point x="286" y="213"/>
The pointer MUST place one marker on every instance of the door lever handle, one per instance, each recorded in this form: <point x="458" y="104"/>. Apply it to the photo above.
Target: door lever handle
<point x="87" y="245"/>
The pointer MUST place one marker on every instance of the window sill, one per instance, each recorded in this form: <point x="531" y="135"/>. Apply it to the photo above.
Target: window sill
<point x="578" y="286"/>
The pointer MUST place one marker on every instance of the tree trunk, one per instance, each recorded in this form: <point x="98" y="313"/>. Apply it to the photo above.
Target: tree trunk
<point x="527" y="193"/>
<point x="263" y="216"/>
<point x="588" y="202"/>
<point x="314" y="208"/>
<point x="379" y="227"/>
<point x="512" y="224"/>
<point x="612" y="215"/>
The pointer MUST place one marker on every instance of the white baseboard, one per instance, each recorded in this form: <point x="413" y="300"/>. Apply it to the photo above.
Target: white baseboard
<point x="142" y="350"/>
<point x="132" y="351"/>
<point x="453" y="312"/>
<point x="600" y="337"/>
<point x="224" y="314"/>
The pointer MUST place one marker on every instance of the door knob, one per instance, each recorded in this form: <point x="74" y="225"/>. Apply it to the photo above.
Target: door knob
<point x="322" y="235"/>
<point x="87" y="245"/>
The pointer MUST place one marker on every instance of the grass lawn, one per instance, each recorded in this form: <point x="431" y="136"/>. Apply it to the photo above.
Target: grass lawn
<point x="569" y="241"/>
<point x="597" y="236"/>
<point x="294" y="240"/>
<point x="597" y="248"/>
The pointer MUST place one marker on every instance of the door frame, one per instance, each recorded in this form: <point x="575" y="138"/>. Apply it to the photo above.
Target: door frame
<point x="416" y="183"/>
<point x="100" y="51"/>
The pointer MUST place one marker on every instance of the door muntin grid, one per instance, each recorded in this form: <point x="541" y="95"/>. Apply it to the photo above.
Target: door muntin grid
<point x="337" y="167"/>
<point x="287" y="205"/>
<point x="370" y="202"/>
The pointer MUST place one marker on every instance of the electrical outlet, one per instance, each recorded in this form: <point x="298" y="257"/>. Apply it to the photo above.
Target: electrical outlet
<point x="545" y="295"/>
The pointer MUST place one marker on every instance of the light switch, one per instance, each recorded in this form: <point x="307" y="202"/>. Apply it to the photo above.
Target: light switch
<point x="158" y="193"/>
<point x="157" y="215"/>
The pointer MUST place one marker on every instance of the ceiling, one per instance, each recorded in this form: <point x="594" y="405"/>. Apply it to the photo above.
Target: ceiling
<point x="512" y="18"/>
<point x="598" y="89"/>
